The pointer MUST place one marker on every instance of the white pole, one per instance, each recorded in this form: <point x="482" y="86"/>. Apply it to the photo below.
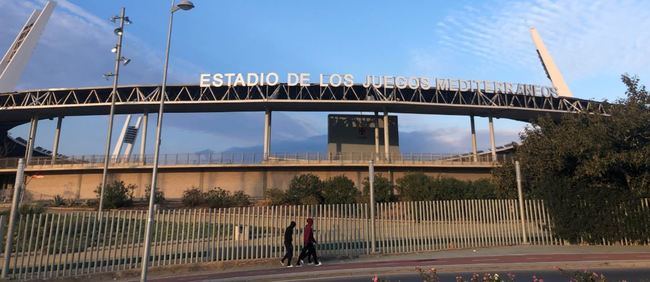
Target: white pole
<point x="111" y="116"/>
<point x="386" y="138"/>
<point x="371" y="182"/>
<point x="20" y="177"/>
<point x="267" y="134"/>
<point x="143" y="138"/>
<point x="521" y="203"/>
<point x="474" y="149"/>
<point x="492" y="142"/>
<point x="156" y="153"/>
<point x="376" y="123"/>
<point x="29" y="150"/>
<point x="57" y="136"/>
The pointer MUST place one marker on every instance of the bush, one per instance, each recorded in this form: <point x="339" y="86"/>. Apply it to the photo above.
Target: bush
<point x="420" y="187"/>
<point x="276" y="196"/>
<point x="218" y="198"/>
<point x="414" y="187"/>
<point x="32" y="209"/>
<point x="215" y="198"/>
<point x="193" y="197"/>
<point x="160" y="195"/>
<point x="58" y="201"/>
<point x="117" y="194"/>
<point x="339" y="190"/>
<point x="240" y="199"/>
<point x="383" y="190"/>
<point x="305" y="189"/>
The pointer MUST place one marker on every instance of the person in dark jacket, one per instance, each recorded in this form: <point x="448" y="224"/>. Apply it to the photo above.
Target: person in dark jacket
<point x="310" y="244"/>
<point x="288" y="244"/>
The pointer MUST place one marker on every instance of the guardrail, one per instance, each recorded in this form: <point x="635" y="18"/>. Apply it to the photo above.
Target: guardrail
<point x="253" y="158"/>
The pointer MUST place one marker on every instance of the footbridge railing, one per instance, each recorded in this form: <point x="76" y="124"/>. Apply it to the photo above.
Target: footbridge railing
<point x="254" y="158"/>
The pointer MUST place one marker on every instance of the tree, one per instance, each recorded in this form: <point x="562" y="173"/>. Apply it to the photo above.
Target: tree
<point x="590" y="169"/>
<point x="117" y="194"/>
<point x="305" y="189"/>
<point x="339" y="190"/>
<point x="383" y="190"/>
<point x="414" y="187"/>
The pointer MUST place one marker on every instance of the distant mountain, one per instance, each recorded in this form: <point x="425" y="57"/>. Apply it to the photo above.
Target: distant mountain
<point x="316" y="143"/>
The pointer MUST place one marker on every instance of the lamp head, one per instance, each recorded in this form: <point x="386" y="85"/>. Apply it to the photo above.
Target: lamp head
<point x="184" y="5"/>
<point x="118" y="31"/>
<point x="107" y="75"/>
<point x="125" y="61"/>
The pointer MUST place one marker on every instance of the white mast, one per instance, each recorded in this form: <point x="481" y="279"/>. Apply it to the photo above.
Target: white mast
<point x="552" y="71"/>
<point x="14" y="61"/>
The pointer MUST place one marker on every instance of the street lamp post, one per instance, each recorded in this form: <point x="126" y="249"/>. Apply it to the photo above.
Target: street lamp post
<point x="118" y="60"/>
<point x="182" y="5"/>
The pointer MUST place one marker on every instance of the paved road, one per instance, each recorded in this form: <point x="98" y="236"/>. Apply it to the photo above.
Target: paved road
<point x="368" y="267"/>
<point x="629" y="275"/>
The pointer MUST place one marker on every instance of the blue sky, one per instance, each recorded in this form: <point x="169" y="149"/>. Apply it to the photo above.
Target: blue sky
<point x="593" y="42"/>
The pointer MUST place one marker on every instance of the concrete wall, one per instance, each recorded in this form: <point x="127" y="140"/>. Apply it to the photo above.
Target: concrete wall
<point x="253" y="181"/>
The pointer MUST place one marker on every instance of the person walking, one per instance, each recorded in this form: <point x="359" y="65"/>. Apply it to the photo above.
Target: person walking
<point x="310" y="244"/>
<point x="288" y="244"/>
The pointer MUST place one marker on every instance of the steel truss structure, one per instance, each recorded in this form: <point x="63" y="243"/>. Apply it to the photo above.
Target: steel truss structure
<point x="20" y="106"/>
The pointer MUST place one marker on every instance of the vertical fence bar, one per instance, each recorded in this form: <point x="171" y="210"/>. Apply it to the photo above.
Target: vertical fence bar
<point x="498" y="222"/>
<point x="490" y="225"/>
<point x="471" y="223"/>
<point x="88" y="245"/>
<point x="427" y="227"/>
<point x="37" y="249"/>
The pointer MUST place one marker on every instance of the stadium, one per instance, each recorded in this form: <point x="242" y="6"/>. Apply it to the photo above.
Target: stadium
<point x="353" y="140"/>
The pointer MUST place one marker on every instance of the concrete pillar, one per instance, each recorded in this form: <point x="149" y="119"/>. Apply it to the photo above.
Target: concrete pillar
<point x="474" y="149"/>
<point x="57" y="135"/>
<point x="29" y="150"/>
<point x="143" y="139"/>
<point x="386" y="141"/>
<point x="376" y="123"/>
<point x="267" y="134"/>
<point x="493" y="147"/>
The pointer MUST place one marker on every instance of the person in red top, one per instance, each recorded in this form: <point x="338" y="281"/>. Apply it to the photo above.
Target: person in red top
<point x="310" y="244"/>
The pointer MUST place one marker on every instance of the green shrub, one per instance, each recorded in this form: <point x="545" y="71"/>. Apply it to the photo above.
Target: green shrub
<point x="383" y="190"/>
<point x="420" y="187"/>
<point x="304" y="189"/>
<point x="414" y="187"/>
<point x="31" y="209"/>
<point x="193" y="197"/>
<point x="117" y="194"/>
<point x="240" y="199"/>
<point x="160" y="195"/>
<point x="275" y="196"/>
<point x="58" y="201"/>
<point x="339" y="190"/>
<point x="218" y="198"/>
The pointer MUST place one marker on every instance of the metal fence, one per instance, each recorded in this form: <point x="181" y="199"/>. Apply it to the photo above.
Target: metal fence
<point x="252" y="158"/>
<point x="66" y="244"/>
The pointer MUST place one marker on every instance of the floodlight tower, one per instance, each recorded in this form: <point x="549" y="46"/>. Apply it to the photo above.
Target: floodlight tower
<point x="552" y="71"/>
<point x="15" y="60"/>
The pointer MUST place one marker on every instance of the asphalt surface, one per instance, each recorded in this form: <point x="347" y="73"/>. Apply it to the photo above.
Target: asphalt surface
<point x="362" y="271"/>
<point x="630" y="275"/>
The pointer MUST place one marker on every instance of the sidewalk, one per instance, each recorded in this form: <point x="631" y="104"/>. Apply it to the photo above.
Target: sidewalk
<point x="486" y="259"/>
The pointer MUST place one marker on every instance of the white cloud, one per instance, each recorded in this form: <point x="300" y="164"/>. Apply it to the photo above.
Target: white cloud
<point x="586" y="37"/>
<point x="74" y="50"/>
